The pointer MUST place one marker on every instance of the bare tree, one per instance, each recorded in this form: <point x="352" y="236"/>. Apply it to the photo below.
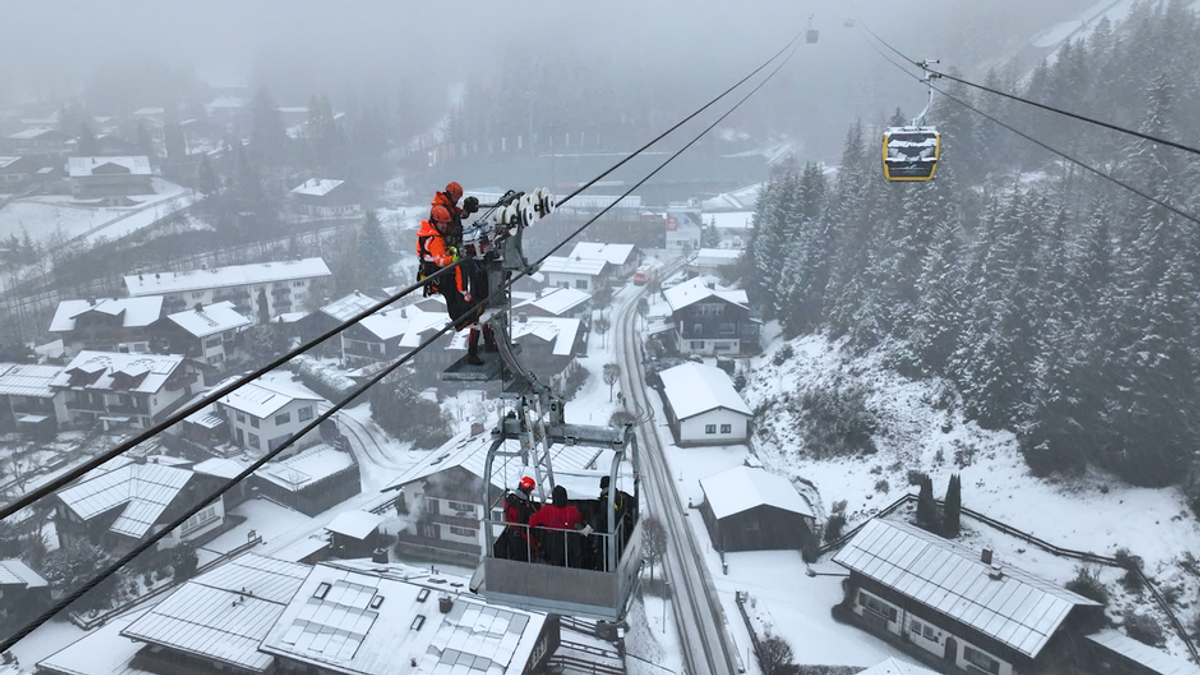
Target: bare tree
<point x="601" y="327"/>
<point x="612" y="373"/>
<point x="654" y="542"/>
<point x="774" y="655"/>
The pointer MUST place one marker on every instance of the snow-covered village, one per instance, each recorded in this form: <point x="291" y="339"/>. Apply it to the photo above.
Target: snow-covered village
<point x="625" y="338"/>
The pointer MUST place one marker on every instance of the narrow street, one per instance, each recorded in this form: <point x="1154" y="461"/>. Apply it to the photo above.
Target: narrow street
<point x="697" y="609"/>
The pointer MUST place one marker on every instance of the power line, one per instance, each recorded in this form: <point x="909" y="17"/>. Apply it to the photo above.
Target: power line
<point x="154" y="538"/>
<point x="66" y="478"/>
<point x="1043" y="106"/>
<point x="1044" y="146"/>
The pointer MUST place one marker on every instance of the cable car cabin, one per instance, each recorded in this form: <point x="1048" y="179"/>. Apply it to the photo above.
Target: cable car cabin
<point x="559" y="571"/>
<point x="911" y="153"/>
<point x="812" y="36"/>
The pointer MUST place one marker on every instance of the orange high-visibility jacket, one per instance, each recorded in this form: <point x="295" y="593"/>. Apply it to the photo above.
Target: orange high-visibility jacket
<point x="432" y="248"/>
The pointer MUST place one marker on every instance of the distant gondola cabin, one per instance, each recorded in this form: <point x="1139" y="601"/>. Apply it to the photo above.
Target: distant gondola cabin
<point x="749" y="509"/>
<point x="911" y="153"/>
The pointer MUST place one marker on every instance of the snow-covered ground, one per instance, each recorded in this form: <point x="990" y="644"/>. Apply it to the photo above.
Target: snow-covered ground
<point x="1097" y="513"/>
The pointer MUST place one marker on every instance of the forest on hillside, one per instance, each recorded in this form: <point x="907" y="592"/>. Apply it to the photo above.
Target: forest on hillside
<point x="1061" y="305"/>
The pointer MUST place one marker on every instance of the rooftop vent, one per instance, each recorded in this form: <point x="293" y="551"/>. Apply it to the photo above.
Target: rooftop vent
<point x="995" y="572"/>
<point x="423" y="595"/>
<point x="986" y="556"/>
<point x="445" y="604"/>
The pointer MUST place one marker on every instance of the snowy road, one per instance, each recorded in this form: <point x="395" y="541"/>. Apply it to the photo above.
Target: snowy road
<point x="698" y="613"/>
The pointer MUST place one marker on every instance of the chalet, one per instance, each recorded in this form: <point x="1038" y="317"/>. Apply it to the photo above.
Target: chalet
<point x="548" y="345"/>
<point x="37" y="141"/>
<point x="622" y="259"/>
<point x="117" y="508"/>
<point x="702" y="406"/>
<point x="110" y="325"/>
<point x="749" y="509"/>
<point x="214" y="622"/>
<point x="23" y="593"/>
<point x="136" y="389"/>
<point x="226" y="109"/>
<point x="325" y="198"/>
<point x="403" y="626"/>
<point x="335" y="314"/>
<point x="109" y="176"/>
<point x="439" y="497"/>
<point x="212" y="334"/>
<point x="312" y="481"/>
<point x="388" y="334"/>
<point x="27" y="401"/>
<point x="584" y="274"/>
<point x="713" y="261"/>
<point x="563" y="303"/>
<point x="354" y="534"/>
<point x="283" y="286"/>
<point x="711" y="322"/>
<point x="17" y="171"/>
<point x="265" y="413"/>
<point x="683" y="230"/>
<point x="952" y="605"/>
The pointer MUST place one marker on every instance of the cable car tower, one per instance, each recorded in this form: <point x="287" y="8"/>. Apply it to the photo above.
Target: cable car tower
<point x="911" y="153"/>
<point x="601" y="569"/>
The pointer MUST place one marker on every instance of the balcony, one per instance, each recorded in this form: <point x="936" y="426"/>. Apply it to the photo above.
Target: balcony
<point x="130" y="409"/>
<point x="87" y="405"/>
<point x="363" y="349"/>
<point x="177" y="383"/>
<point x="470" y="523"/>
<point x="282" y="291"/>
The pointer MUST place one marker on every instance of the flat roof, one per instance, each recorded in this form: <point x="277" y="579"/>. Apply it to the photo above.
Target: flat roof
<point x="354" y="523"/>
<point x="222" y="277"/>
<point x="1017" y="609"/>
<point x="315" y="187"/>
<point x="103" y="651"/>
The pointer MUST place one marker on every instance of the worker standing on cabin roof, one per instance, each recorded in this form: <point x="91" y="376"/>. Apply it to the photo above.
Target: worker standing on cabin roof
<point x="561" y="544"/>
<point x="518" y="542"/>
<point x="437" y="248"/>
<point x="474" y="286"/>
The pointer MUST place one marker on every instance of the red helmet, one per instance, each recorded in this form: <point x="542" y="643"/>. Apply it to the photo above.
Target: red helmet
<point x="439" y="214"/>
<point x="527" y="483"/>
<point x="454" y="190"/>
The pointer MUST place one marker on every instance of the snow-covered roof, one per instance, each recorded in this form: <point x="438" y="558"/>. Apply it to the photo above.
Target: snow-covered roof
<point x="227" y="102"/>
<point x="694" y="290"/>
<point x="101" y="652"/>
<point x="215" y="318"/>
<point x="743" y="488"/>
<point x="561" y="265"/>
<point x="470" y="452"/>
<point x="144" y="490"/>
<point x="16" y="573"/>
<point x="557" y="301"/>
<point x="1013" y="607"/>
<point x="345" y="308"/>
<point x="347" y="621"/>
<point x="221" y="277"/>
<point x="355" y="524"/>
<point x="149" y="371"/>
<point x="221" y="468"/>
<point x="27" y="380"/>
<point x="263" y="398"/>
<point x="693" y="388"/>
<point x="731" y="220"/>
<point x="222" y="615"/>
<point x="82" y="167"/>
<point x="6" y="162"/>
<point x="615" y="254"/>
<point x="895" y="667"/>
<point x="716" y="257"/>
<point x="1142" y="654"/>
<point x="317" y="187"/>
<point x="29" y="134"/>
<point x="134" y="312"/>
<point x="306" y="468"/>
<point x="408" y="323"/>
<point x="148" y="111"/>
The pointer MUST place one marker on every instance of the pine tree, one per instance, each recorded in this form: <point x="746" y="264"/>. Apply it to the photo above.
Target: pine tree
<point x="88" y="146"/>
<point x="268" y="137"/>
<point x="939" y="313"/>
<point x="927" y="511"/>
<point x="264" y="309"/>
<point x="206" y="179"/>
<point x="145" y="142"/>
<point x="952" y="511"/>
<point x="375" y="256"/>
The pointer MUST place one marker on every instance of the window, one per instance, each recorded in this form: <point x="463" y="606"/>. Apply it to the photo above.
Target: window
<point x="254" y="422"/>
<point x="981" y="660"/>
<point x="376" y="602"/>
<point x="877" y="606"/>
<point x="241" y="418"/>
<point x="213" y="342"/>
<point x="322" y="590"/>
<point x="923" y="629"/>
<point x="207" y="515"/>
<point x="722" y="346"/>
<point x="581" y="283"/>
<point x="460" y="506"/>
<point x="461" y="532"/>
<point x="254" y="441"/>
<point x="696" y="344"/>
<point x="423" y="595"/>
<point x="710" y="428"/>
<point x="727" y="428"/>
<point x="283" y="418"/>
<point x="304" y="414"/>
<point x="196" y="295"/>
<point x="298" y="284"/>
<point x="750" y="526"/>
<point x="417" y="622"/>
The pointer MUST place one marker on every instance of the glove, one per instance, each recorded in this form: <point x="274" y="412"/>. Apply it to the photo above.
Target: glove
<point x="471" y="204"/>
<point x="587" y="529"/>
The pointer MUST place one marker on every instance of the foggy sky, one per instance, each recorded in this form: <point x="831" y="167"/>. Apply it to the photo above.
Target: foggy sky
<point x="302" y="48"/>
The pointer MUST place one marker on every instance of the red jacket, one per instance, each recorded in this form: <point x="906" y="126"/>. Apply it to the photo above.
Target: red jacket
<point x="557" y="517"/>
<point x="432" y="248"/>
<point x="518" y="510"/>
<point x="443" y="199"/>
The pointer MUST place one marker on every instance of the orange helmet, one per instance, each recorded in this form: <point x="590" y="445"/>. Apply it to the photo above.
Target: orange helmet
<point x="454" y="190"/>
<point x="527" y="483"/>
<point x="439" y="214"/>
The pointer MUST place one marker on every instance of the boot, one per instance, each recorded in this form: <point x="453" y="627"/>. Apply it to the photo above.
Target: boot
<point x="489" y="340"/>
<point x="473" y="348"/>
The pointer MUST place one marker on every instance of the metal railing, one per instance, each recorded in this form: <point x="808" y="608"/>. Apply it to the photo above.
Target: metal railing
<point x="535" y="542"/>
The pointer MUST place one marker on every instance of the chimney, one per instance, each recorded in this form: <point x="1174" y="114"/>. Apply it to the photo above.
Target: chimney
<point x="140" y="277"/>
<point x="157" y="276"/>
<point x="476" y="428"/>
<point x="92" y="302"/>
<point x="522" y="318"/>
<point x="445" y="604"/>
<point x="996" y="573"/>
<point x="986" y="556"/>
<point x="403" y="312"/>
<point x="379" y="555"/>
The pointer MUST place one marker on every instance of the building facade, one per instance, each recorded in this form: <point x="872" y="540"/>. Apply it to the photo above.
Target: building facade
<point x="710" y="322"/>
<point x="275" y="287"/>
<point x="702" y="406"/>
<point x="212" y="335"/>
<point x="93" y="177"/>
<point x="138" y="390"/>
<point x="264" y="414"/>
<point x="750" y="509"/>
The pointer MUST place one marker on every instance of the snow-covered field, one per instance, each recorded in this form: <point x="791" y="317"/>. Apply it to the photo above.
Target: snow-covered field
<point x="1097" y="513"/>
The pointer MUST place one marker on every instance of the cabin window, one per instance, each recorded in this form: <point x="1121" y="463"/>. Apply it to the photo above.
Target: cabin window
<point x="376" y="602"/>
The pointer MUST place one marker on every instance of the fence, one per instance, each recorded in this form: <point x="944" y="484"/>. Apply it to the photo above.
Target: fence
<point x="1084" y="556"/>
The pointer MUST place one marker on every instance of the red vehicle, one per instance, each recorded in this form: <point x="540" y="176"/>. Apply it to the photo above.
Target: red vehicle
<point x="641" y="277"/>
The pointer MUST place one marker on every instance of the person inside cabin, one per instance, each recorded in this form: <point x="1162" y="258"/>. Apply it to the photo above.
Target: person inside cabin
<point x="561" y="524"/>
<point x="517" y="542"/>
<point x="625" y="514"/>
